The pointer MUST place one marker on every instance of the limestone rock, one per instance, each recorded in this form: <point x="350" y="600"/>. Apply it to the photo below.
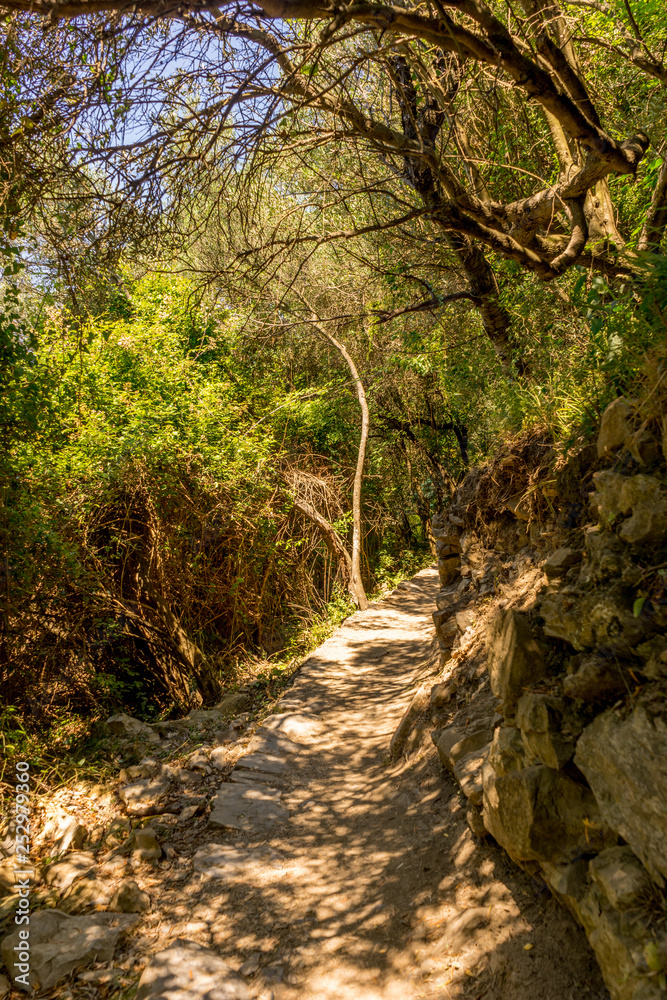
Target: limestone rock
<point x="598" y="618"/>
<point x="515" y="659"/>
<point x="449" y="569"/>
<point x="188" y="971"/>
<point x="145" y="847"/>
<point x="60" y="944"/>
<point x="61" y="874"/>
<point x="244" y="807"/>
<point x="129" y="898"/>
<point x="468" y="773"/>
<point x="131" y="729"/>
<point x="616" y="427"/>
<point x="446" y="628"/>
<point x="86" y="894"/>
<point x="233" y="703"/>
<point x="596" y="678"/>
<point x="507" y="751"/>
<point x="541" y="721"/>
<point x="441" y="694"/>
<point x="640" y="495"/>
<point x="560" y="561"/>
<point x="145" y="797"/>
<point x="625" y="762"/>
<point x="540" y="814"/>
<point x="621" y="876"/>
<point x="445" y="599"/>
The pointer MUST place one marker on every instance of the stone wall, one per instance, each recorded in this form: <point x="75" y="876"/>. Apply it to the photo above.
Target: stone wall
<point x="551" y="710"/>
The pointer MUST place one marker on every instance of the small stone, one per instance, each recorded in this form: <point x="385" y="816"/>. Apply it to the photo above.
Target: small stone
<point x="597" y="678"/>
<point x="621" y="876"/>
<point x="145" y="846"/>
<point x="616" y="426"/>
<point x="61" y="874"/>
<point x="190" y="812"/>
<point x="129" y="898"/>
<point x="188" y="971"/>
<point x="560" y="561"/>
<point x="446" y="628"/>
<point x="233" y="703"/>
<point x="251" y="966"/>
<point x="219" y="758"/>
<point x="441" y="694"/>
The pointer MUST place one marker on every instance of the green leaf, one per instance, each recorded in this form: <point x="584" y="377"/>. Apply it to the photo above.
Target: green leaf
<point x="637" y="606"/>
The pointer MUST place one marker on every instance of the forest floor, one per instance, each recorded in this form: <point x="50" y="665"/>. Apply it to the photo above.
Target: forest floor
<point x="349" y="876"/>
<point x="374" y="888"/>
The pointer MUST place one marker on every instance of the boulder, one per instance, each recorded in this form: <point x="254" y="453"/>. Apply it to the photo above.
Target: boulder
<point x="616" y="427"/>
<point x="129" y="898"/>
<point x="606" y="557"/>
<point x="445" y="599"/>
<point x="560" y="561"/>
<point x="621" y="876"/>
<point x="641" y="496"/>
<point x="128" y="728"/>
<point x="441" y="694"/>
<point x="541" y="718"/>
<point x="61" y="944"/>
<point x="515" y="659"/>
<point x="539" y="814"/>
<point x="625" y="763"/>
<point x="188" y="971"/>
<point x="507" y="751"/>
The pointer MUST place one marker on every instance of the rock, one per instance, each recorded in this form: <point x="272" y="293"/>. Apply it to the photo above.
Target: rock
<point x="251" y="965"/>
<point x="648" y="502"/>
<point x="131" y="729"/>
<point x="468" y="773"/>
<point x="441" y="694"/>
<point x="453" y="743"/>
<point x="560" y="561"/>
<point x="642" y="496"/>
<point x="540" y="814"/>
<point x="4" y="987"/>
<point x="60" y="944"/>
<point x="7" y="879"/>
<point x="449" y="569"/>
<point x="515" y="659"/>
<point x="445" y="599"/>
<point x="61" y="874"/>
<point x="191" y="811"/>
<point x="446" y="628"/>
<point x="145" y="846"/>
<point x="625" y="763"/>
<point x="300" y="728"/>
<point x="86" y="894"/>
<point x="597" y="678"/>
<point x="654" y="654"/>
<point x="129" y="898"/>
<point x="507" y="752"/>
<point x="243" y="807"/>
<point x="233" y="703"/>
<point x="606" y="557"/>
<point x="145" y="797"/>
<point x="464" y="619"/>
<point x="219" y="758"/>
<point x="616" y="426"/>
<point x="620" y="875"/>
<point x="597" y="618"/>
<point x="188" y="971"/>
<point x="541" y="721"/>
<point x="475" y="821"/>
<point x="119" y="831"/>
<point x="65" y="832"/>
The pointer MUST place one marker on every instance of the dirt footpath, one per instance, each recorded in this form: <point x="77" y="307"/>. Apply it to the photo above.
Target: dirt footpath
<point x="373" y="887"/>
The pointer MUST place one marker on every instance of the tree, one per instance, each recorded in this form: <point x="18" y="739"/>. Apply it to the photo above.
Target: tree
<point x="468" y="119"/>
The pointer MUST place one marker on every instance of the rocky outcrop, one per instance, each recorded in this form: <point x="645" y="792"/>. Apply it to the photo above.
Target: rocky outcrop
<point x="551" y="710"/>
